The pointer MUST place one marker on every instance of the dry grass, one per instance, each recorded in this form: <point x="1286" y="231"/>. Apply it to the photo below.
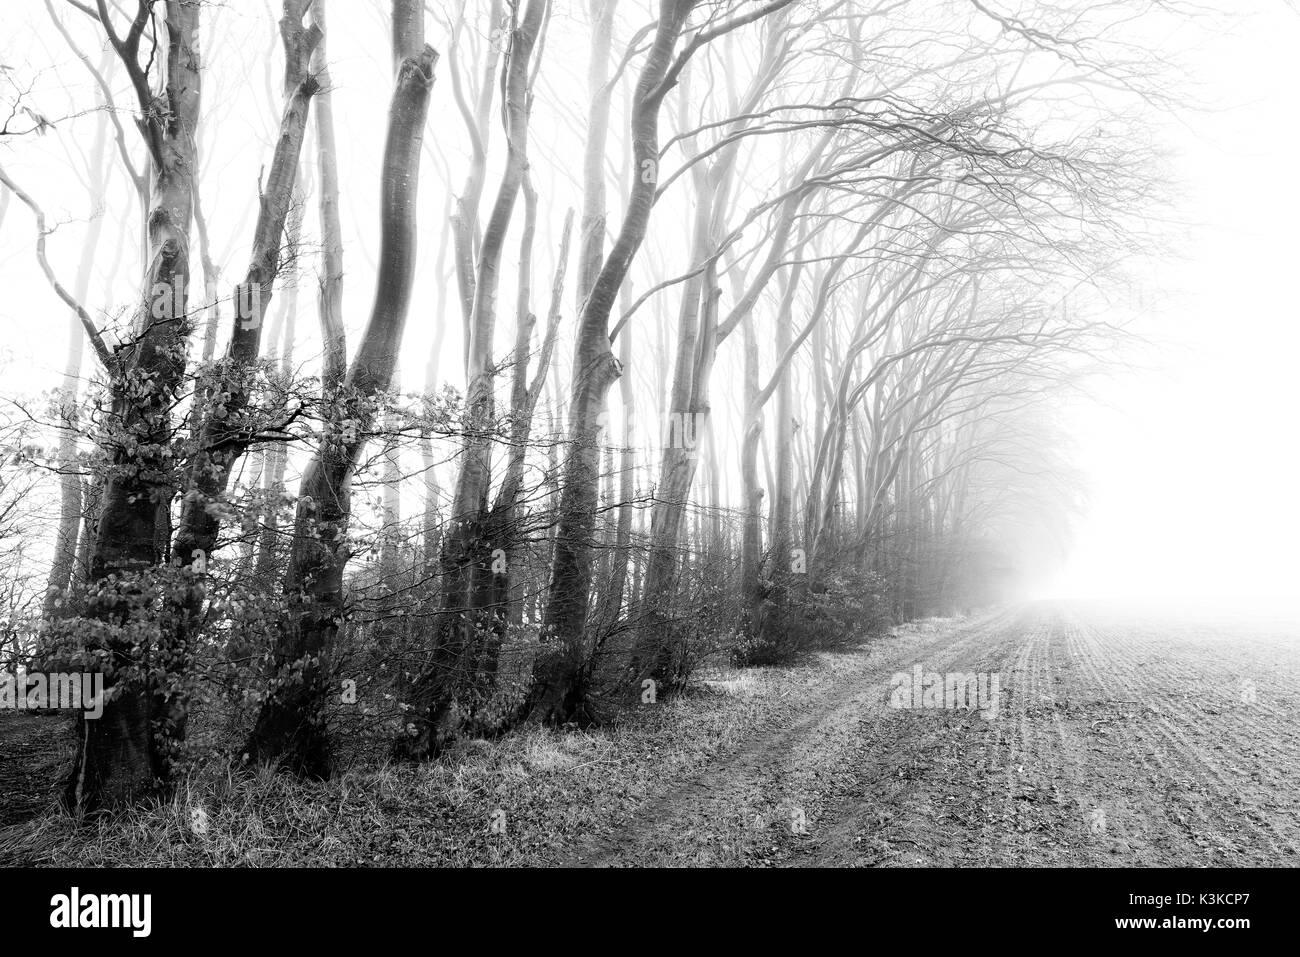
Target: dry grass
<point x="546" y="789"/>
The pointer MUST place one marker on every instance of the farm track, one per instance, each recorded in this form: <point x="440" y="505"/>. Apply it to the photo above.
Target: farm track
<point x="1121" y="739"/>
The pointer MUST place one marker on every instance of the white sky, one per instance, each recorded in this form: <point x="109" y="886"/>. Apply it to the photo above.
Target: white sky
<point x="1194" y="464"/>
<point x="1193" y="461"/>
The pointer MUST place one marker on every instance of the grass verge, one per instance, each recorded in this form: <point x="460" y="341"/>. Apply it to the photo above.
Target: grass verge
<point x="522" y="800"/>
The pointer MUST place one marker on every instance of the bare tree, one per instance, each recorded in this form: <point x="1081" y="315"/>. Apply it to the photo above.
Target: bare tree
<point x="290" y="730"/>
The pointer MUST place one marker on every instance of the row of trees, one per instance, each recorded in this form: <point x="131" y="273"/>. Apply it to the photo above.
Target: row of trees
<point x="888" y="226"/>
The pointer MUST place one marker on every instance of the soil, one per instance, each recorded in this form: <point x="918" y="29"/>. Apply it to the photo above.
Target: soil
<point x="1122" y="739"/>
<point x="34" y="751"/>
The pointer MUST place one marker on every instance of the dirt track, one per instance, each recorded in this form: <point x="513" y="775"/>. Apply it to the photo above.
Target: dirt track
<point x="33" y="750"/>
<point x="1122" y="739"/>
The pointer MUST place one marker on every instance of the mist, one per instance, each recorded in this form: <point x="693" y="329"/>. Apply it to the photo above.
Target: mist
<point x="735" y="433"/>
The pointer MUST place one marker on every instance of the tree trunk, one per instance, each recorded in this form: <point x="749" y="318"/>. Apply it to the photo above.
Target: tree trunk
<point x="524" y="403"/>
<point x="558" y="691"/>
<point x="122" y="756"/>
<point x="751" y="492"/>
<point x="57" y="585"/>
<point x="463" y="635"/>
<point x="330" y="302"/>
<point x="228" y="429"/>
<point x="290" y="731"/>
<point x="626" y="482"/>
<point x="277" y="456"/>
<point x="465" y="224"/>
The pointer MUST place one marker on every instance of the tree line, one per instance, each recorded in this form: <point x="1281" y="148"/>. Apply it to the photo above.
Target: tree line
<point x="766" y="329"/>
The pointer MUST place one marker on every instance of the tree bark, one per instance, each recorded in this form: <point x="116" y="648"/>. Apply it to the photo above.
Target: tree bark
<point x="559" y="689"/>
<point x="463" y="636"/>
<point x="228" y="429"/>
<point x="57" y="585"/>
<point x="330" y="301"/>
<point x="122" y="756"/>
<point x="290" y="731"/>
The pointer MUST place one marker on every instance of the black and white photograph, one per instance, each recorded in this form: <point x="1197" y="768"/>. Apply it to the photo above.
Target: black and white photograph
<point x="481" y="436"/>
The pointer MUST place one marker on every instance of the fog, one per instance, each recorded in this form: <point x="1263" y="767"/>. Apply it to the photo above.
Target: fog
<point x="1191" y="458"/>
<point x="1172" y="510"/>
<point x="532" y="433"/>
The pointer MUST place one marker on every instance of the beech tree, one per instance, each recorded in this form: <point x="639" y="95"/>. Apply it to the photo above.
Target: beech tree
<point x="289" y="730"/>
<point x="843" y="293"/>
